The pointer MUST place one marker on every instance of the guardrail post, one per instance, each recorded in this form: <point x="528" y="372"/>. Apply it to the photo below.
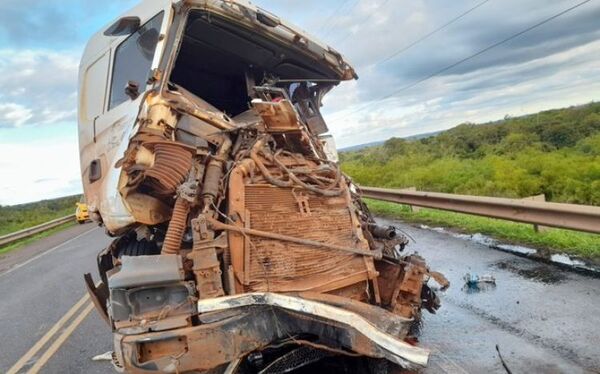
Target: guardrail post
<point x="541" y="197"/>
<point x="413" y="209"/>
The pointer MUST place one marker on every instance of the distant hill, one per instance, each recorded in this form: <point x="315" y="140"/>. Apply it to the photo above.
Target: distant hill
<point x="17" y="217"/>
<point x="422" y="136"/>
<point x="374" y="144"/>
<point x="554" y="152"/>
<point x="358" y="147"/>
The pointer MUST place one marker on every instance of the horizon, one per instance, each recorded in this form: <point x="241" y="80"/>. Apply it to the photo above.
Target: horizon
<point x="368" y="144"/>
<point x="473" y="123"/>
<point x="392" y="47"/>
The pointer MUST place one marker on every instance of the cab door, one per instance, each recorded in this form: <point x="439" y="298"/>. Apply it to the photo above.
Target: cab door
<point x="93" y="83"/>
<point x="132" y="60"/>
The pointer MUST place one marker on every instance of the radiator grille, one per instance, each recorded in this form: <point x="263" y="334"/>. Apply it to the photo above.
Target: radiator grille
<point x="284" y="266"/>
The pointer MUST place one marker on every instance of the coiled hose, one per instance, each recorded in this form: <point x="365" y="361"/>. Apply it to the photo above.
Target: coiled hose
<point x="174" y="235"/>
<point x="172" y="163"/>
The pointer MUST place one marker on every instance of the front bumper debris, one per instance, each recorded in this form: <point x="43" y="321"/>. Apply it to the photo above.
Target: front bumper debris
<point x="234" y="326"/>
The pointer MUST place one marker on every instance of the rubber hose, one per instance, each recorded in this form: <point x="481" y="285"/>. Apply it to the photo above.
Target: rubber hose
<point x="176" y="228"/>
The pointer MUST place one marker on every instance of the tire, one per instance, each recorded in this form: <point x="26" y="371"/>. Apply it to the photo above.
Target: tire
<point x="139" y="248"/>
<point x="80" y="222"/>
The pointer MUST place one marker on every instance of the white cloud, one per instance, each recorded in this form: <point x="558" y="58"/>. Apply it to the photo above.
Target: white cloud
<point x="565" y="78"/>
<point x="38" y="170"/>
<point x="15" y="114"/>
<point x="37" y="87"/>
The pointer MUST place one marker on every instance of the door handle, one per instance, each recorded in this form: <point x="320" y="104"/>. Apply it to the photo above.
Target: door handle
<point x="94" y="127"/>
<point x="95" y="172"/>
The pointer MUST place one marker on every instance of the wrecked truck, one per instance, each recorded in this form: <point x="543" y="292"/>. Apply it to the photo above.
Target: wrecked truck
<point x="240" y="246"/>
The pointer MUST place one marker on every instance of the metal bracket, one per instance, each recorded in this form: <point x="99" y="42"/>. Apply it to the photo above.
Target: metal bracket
<point x="303" y="205"/>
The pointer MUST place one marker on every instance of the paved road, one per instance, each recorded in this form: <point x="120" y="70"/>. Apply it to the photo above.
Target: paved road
<point x="544" y="320"/>
<point x="37" y="294"/>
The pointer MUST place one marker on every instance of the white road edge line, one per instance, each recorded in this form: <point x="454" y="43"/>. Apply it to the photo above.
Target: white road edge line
<point x="18" y="266"/>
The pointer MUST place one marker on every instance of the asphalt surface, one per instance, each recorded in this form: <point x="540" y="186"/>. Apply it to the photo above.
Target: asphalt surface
<point x="543" y="319"/>
<point x="37" y="294"/>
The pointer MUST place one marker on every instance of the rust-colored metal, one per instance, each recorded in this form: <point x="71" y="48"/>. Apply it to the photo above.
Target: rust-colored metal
<point x="98" y="295"/>
<point x="389" y="276"/>
<point x="171" y="166"/>
<point x="182" y="102"/>
<point x="281" y="245"/>
<point x="278" y="116"/>
<point x="283" y="262"/>
<point x="285" y="238"/>
<point x="149" y="351"/>
<point x="177" y="225"/>
<point x="207" y="268"/>
<point x="237" y="206"/>
<point x="568" y="216"/>
<point x="406" y="298"/>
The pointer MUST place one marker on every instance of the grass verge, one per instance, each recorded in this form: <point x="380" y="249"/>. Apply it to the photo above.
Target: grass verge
<point x="554" y="240"/>
<point x="23" y="242"/>
<point x="11" y="224"/>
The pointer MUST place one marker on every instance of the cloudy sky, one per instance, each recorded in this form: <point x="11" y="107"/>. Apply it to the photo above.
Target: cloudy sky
<point x="554" y="65"/>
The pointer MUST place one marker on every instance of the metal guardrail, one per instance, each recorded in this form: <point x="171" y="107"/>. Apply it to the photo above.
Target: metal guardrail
<point x="567" y="216"/>
<point x="22" y="234"/>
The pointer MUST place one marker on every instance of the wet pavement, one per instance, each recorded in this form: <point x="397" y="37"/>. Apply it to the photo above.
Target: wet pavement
<point x="544" y="319"/>
<point x="39" y="291"/>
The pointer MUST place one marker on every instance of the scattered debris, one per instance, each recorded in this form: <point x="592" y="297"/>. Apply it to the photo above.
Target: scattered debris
<point x="472" y="280"/>
<point x="108" y="356"/>
<point x="475" y="283"/>
<point x="502" y="360"/>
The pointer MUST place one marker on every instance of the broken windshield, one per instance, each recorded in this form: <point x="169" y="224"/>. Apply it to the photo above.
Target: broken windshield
<point x="133" y="60"/>
<point x="222" y="62"/>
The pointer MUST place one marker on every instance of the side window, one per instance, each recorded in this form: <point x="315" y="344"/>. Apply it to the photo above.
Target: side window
<point x="94" y="89"/>
<point x="133" y="60"/>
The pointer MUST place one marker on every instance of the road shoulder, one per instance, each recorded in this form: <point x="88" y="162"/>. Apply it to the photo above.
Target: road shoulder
<point x="16" y="257"/>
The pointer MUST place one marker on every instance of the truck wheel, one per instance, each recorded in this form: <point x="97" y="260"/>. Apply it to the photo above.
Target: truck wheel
<point x="139" y="248"/>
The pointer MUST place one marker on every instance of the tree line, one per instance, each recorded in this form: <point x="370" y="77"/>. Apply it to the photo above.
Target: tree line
<point x="554" y="152"/>
<point x="16" y="217"/>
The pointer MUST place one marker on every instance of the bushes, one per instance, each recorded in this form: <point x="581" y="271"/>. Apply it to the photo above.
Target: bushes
<point x="556" y="153"/>
<point x="17" y="217"/>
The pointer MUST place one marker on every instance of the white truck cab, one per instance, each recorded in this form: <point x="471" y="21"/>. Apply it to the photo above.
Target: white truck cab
<point x="240" y="245"/>
<point x="130" y="50"/>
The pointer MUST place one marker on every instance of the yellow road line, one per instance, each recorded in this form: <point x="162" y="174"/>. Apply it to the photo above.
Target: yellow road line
<point x="34" y="350"/>
<point x="60" y="340"/>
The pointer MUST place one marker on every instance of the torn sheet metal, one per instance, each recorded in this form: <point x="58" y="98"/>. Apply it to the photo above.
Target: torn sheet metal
<point x="240" y="244"/>
<point x="402" y="352"/>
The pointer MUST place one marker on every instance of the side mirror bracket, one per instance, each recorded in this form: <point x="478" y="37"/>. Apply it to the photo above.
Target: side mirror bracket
<point x="123" y="26"/>
<point x="132" y="90"/>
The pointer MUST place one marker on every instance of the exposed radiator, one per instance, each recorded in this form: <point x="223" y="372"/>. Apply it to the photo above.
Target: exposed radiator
<point x="283" y="266"/>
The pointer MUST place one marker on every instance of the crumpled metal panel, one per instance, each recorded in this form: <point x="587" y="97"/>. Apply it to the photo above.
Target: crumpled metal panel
<point x="137" y="271"/>
<point x="238" y="325"/>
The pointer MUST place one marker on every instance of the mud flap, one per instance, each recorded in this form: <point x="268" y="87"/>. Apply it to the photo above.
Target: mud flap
<point x="99" y="296"/>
